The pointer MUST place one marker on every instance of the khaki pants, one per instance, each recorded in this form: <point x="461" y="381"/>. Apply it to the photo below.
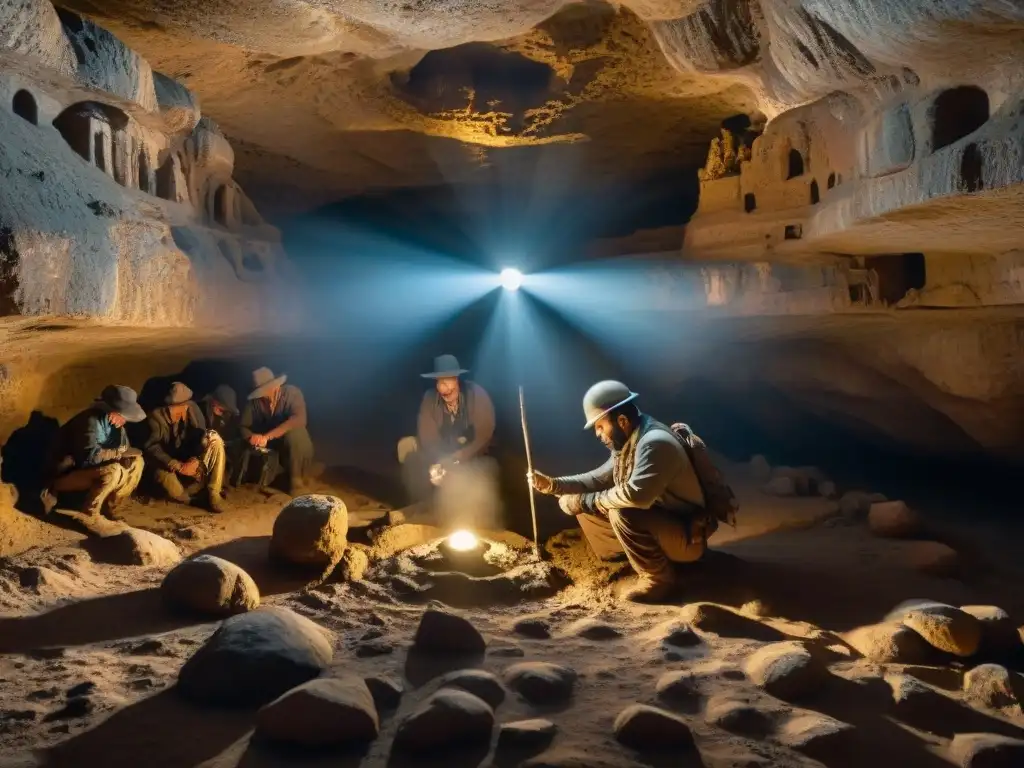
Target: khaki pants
<point x="213" y="460"/>
<point x="109" y="483"/>
<point x="652" y="539"/>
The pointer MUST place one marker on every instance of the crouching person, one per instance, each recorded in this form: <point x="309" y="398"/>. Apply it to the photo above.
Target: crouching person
<point x="185" y="456"/>
<point x="273" y="426"/>
<point x="92" y="455"/>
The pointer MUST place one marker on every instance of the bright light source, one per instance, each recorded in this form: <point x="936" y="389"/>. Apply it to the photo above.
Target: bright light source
<point x="462" y="541"/>
<point x="511" y="279"/>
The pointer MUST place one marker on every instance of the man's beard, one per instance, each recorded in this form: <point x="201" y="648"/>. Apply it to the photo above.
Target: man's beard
<point x="618" y="439"/>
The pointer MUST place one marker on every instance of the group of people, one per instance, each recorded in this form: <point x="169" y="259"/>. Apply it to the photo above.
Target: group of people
<point x="646" y="503"/>
<point x="190" y="447"/>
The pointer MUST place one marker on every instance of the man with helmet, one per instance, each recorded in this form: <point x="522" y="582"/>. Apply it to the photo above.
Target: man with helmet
<point x="645" y="500"/>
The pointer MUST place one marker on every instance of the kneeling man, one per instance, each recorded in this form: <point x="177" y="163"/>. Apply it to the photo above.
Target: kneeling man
<point x="182" y="451"/>
<point x="645" y="501"/>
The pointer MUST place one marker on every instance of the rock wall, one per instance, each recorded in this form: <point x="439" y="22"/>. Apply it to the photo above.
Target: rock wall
<point x="117" y="202"/>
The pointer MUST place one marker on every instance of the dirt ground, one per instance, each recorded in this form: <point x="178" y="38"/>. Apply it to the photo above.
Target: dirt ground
<point x="793" y="564"/>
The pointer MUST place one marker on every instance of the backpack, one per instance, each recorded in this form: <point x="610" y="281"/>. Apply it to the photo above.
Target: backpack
<point x="719" y="500"/>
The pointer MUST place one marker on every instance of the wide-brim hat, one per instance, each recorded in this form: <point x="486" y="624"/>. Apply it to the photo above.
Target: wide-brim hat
<point x="445" y="367"/>
<point x="225" y="396"/>
<point x="179" y="394"/>
<point x="264" y="381"/>
<point x="604" y="397"/>
<point x="123" y="400"/>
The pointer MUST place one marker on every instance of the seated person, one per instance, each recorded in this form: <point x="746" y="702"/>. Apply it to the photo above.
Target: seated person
<point x="91" y="455"/>
<point x="455" y="424"/>
<point x="274" y="423"/>
<point x="220" y="409"/>
<point x="181" y="450"/>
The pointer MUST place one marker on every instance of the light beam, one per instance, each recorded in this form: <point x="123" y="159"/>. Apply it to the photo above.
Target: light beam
<point x="511" y="279"/>
<point x="462" y="541"/>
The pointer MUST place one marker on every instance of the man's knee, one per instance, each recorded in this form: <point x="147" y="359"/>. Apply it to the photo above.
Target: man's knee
<point x="213" y="438"/>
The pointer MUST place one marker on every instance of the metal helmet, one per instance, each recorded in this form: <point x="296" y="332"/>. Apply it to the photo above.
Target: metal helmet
<point x="603" y="397"/>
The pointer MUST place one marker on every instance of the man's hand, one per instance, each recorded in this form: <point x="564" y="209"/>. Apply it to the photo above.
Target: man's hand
<point x="258" y="441"/>
<point x="437" y="473"/>
<point x="190" y="468"/>
<point x="541" y="482"/>
<point x="571" y="504"/>
<point x="130" y="452"/>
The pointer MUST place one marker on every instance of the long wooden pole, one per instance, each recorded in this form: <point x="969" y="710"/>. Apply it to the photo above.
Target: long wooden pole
<point x="529" y="467"/>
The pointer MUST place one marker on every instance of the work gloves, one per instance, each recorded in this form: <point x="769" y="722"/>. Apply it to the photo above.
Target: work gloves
<point x="578" y="503"/>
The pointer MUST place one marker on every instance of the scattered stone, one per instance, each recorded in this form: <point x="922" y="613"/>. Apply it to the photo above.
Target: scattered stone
<point x="386" y="692"/>
<point x="986" y="750"/>
<point x="443" y="632"/>
<point x="993" y="686"/>
<point x="678" y="687"/>
<point x="19" y="715"/>
<point x="450" y="718"/>
<point x="827" y="489"/>
<point x="649" y="729"/>
<point x="820" y="737"/>
<point x="933" y="558"/>
<point x="760" y="469"/>
<point x="681" y="635"/>
<point x="354" y="564"/>
<point x="526" y="734"/>
<point x="725" y="622"/>
<point x="508" y="652"/>
<point x="944" y="627"/>
<point x="142" y="684"/>
<point x="151" y="646"/>
<point x="44" y="694"/>
<point x="79" y="706"/>
<point x="894" y="520"/>
<point x="737" y="716"/>
<point x="255" y="657"/>
<point x="780" y="486"/>
<point x="311" y="530"/>
<point x="540" y="682"/>
<point x="533" y="628"/>
<point x="38" y="578"/>
<point x="590" y="629"/>
<point x="82" y="689"/>
<point x="786" y="670"/>
<point x="327" y="711"/>
<point x="209" y="585"/>
<point x="890" y="642"/>
<point x="133" y="546"/>
<point x="922" y="707"/>
<point x="855" y="505"/>
<point x="481" y="684"/>
<point x="999" y="635"/>
<point x="371" y="648"/>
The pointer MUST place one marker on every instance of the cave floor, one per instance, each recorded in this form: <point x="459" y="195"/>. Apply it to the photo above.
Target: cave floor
<point x="792" y="563"/>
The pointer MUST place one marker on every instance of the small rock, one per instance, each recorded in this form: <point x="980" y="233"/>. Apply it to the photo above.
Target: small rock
<point x="681" y="635"/>
<point x="255" y="657"/>
<point x="327" y="711"/>
<point x="38" y="578"/>
<point x="922" y="707"/>
<point x="933" y="558"/>
<point x="534" y="628"/>
<point x="737" y="716"/>
<point x="760" y="469"/>
<point x="142" y="684"/>
<point x="999" y="635"/>
<point x="820" y="737"/>
<point x="725" y="622"/>
<point x="540" y="682"/>
<point x="827" y="489"/>
<point x="855" y="505"/>
<point x="82" y="689"/>
<point x="19" y="715"/>
<point x="386" y="692"/>
<point x="594" y="630"/>
<point x="209" y="585"/>
<point x="311" y="530"/>
<point x="805" y="479"/>
<point x="786" y="670"/>
<point x="508" y="652"/>
<point x="947" y="628"/>
<point x="133" y="546"/>
<point x="79" y="706"/>
<point x="151" y="646"/>
<point x="986" y="750"/>
<point x="442" y="632"/>
<point x="894" y="520"/>
<point x="354" y="564"/>
<point x="450" y="718"/>
<point x="994" y="687"/>
<point x="372" y="648"/>
<point x="526" y="734"/>
<point x="481" y="684"/>
<point x="780" y="486"/>
<point x="888" y="643"/>
<point x="649" y="729"/>
<point x="678" y="687"/>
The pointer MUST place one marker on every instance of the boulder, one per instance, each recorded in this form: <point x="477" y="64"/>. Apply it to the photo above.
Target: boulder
<point x="255" y="657"/>
<point x="786" y="670"/>
<point x="737" y="716"/>
<point x="526" y="734"/>
<point x="725" y="622"/>
<point x="933" y="558"/>
<point x="441" y="632"/>
<point x="986" y="750"/>
<point x="999" y="635"/>
<point x="537" y="629"/>
<point x="946" y="628"/>
<point x="994" y="687"/>
<point x="780" y="486"/>
<point x="386" y="691"/>
<point x="311" y="530"/>
<point x="449" y="719"/>
<point x="888" y="643"/>
<point x="894" y="520"/>
<point x="820" y="737"/>
<point x="649" y="729"/>
<point x="209" y="585"/>
<point x="323" y="712"/>
<point x="481" y="684"/>
<point x="760" y="469"/>
<point x="540" y="682"/>
<point x="133" y="546"/>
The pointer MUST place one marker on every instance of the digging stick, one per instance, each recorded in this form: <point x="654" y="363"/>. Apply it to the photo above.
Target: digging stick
<point x="529" y="467"/>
